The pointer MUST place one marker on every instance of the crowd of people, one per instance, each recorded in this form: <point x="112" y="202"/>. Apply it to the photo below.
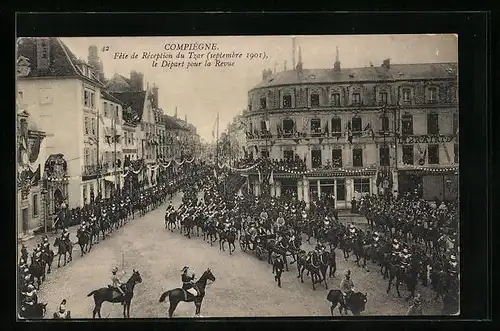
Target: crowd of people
<point x="104" y="215"/>
<point x="277" y="224"/>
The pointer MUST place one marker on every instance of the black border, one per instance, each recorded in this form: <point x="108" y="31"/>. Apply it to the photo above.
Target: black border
<point x="475" y="149"/>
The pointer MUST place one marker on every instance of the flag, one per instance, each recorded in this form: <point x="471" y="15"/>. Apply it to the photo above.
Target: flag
<point x="447" y="153"/>
<point x="271" y="178"/>
<point x="35" y="149"/>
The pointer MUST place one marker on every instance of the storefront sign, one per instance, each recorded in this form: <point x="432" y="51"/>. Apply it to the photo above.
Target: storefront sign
<point x="425" y="139"/>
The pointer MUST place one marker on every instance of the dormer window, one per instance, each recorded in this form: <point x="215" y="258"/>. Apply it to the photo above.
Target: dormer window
<point x="406" y="95"/>
<point x="432" y="95"/>
<point x="315" y="100"/>
<point x="356" y="98"/>
<point x="263" y="103"/>
<point x="287" y="101"/>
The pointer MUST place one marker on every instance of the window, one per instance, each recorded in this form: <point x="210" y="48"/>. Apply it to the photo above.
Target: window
<point x="288" y="155"/>
<point x="432" y="95"/>
<point x="84" y="193"/>
<point x="455" y="152"/>
<point x="408" y="154"/>
<point x="106" y="113"/>
<point x="92" y="100"/>
<point x="384" y="156"/>
<point x="407" y="124"/>
<point x="455" y="123"/>
<point x="93" y="126"/>
<point x="336" y="99"/>
<point x="316" y="158"/>
<point x="336" y="125"/>
<point x="86" y="156"/>
<point x="383" y="97"/>
<point x="433" y="151"/>
<point x="340" y="189"/>
<point x="432" y="124"/>
<point x="337" y="158"/>
<point x="315" y="126"/>
<point x="287" y="101"/>
<point x="263" y="126"/>
<point x="385" y="123"/>
<point x="35" y="205"/>
<point x="362" y="185"/>
<point x="357" y="157"/>
<point x="356" y="98"/>
<point x="288" y="127"/>
<point x="314" y="100"/>
<point x="263" y="104"/>
<point x="356" y="124"/>
<point x="87" y="129"/>
<point x="86" y="98"/>
<point x="406" y="95"/>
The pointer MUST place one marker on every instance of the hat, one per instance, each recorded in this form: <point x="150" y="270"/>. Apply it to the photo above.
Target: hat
<point x="115" y="269"/>
<point x="453" y="258"/>
<point x="185" y="268"/>
<point x="405" y="251"/>
<point x="30" y="287"/>
<point x="375" y="234"/>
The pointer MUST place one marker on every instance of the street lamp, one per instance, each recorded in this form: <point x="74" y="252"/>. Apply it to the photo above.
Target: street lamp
<point x="44" y="195"/>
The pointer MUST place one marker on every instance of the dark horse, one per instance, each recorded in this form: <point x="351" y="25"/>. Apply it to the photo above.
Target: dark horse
<point x="62" y="250"/>
<point x="84" y="240"/>
<point x="35" y="311"/>
<point x="229" y="237"/>
<point x="177" y="295"/>
<point x="108" y="294"/>
<point x="356" y="303"/>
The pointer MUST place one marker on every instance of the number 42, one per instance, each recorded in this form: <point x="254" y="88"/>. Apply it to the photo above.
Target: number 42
<point x="105" y="48"/>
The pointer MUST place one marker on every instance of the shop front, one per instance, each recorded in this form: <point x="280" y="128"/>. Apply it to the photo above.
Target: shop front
<point x="441" y="184"/>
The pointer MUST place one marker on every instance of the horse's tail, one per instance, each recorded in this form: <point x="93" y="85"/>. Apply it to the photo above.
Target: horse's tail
<point x="164" y="295"/>
<point x="91" y="293"/>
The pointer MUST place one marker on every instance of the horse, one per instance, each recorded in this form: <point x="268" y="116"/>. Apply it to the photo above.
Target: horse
<point x="37" y="271"/>
<point x="109" y="294"/>
<point x="177" y="295"/>
<point x="230" y="237"/>
<point x="84" y="241"/>
<point x="35" y="311"/>
<point x="62" y="250"/>
<point x="47" y="257"/>
<point x="356" y="303"/>
<point x="312" y="268"/>
<point x="403" y="276"/>
<point x="170" y="221"/>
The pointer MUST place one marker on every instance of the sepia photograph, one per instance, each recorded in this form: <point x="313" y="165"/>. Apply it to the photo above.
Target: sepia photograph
<point x="237" y="176"/>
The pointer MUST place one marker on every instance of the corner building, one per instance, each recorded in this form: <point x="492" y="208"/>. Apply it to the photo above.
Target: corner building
<point x="373" y="130"/>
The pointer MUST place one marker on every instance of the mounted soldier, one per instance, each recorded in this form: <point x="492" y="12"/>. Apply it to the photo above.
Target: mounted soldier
<point x="188" y="282"/>
<point x="62" y="313"/>
<point x="347" y="287"/>
<point x="115" y="282"/>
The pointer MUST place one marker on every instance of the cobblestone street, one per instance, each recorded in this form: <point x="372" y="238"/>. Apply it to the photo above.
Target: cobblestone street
<point x="244" y="285"/>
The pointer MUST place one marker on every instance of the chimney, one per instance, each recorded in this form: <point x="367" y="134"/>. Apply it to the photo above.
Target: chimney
<point x="299" y="64"/>
<point x="266" y="73"/>
<point x="42" y="53"/>
<point x="336" y="65"/>
<point x="386" y="64"/>
<point x="154" y="92"/>
<point x="136" y="81"/>
<point x="94" y="60"/>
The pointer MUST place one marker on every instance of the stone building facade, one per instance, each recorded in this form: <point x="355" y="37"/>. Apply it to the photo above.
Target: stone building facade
<point x="390" y="128"/>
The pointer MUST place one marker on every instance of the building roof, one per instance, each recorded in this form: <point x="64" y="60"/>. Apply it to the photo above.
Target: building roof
<point x="118" y="83"/>
<point x="132" y="104"/>
<point x="62" y="62"/>
<point x="107" y="96"/>
<point x="170" y="123"/>
<point x="348" y="75"/>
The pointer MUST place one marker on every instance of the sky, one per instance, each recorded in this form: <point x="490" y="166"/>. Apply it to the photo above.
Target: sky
<point x="202" y="92"/>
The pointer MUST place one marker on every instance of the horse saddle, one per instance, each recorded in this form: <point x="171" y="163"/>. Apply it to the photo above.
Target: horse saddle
<point x="116" y="292"/>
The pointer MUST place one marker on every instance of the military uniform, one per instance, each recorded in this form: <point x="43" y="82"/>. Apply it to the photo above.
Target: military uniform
<point x="347" y="287"/>
<point x="115" y="281"/>
<point x="188" y="281"/>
